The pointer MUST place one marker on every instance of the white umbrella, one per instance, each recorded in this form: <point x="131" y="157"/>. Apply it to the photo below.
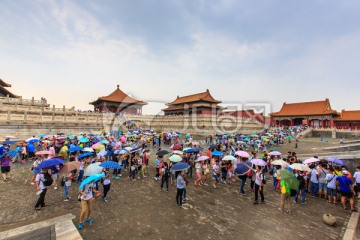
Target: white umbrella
<point x="88" y="150"/>
<point x="311" y="160"/>
<point x="178" y="152"/>
<point x="93" y="169"/>
<point x="275" y="153"/>
<point x="228" y="158"/>
<point x="279" y="162"/>
<point x="175" y="158"/>
<point x="300" y="167"/>
<point x="102" y="153"/>
<point x="128" y="149"/>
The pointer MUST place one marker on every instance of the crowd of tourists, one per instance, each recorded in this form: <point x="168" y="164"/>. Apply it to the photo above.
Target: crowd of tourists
<point x="90" y="161"/>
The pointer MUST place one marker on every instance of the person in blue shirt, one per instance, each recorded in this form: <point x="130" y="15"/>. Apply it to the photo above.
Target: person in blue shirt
<point x="31" y="150"/>
<point x="346" y="188"/>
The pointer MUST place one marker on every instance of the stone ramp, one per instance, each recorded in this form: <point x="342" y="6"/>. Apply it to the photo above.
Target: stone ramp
<point x="59" y="228"/>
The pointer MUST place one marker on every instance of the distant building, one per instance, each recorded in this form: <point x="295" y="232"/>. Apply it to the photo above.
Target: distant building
<point x="118" y="102"/>
<point x="313" y="114"/>
<point x="200" y="103"/>
<point x="348" y="120"/>
<point x="4" y="92"/>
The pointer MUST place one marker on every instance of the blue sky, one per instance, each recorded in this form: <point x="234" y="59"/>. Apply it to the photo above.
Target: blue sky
<point x="71" y="52"/>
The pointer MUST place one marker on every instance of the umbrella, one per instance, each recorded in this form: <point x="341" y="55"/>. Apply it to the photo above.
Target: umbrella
<point x="289" y="178"/>
<point x="279" y="162"/>
<point x="93" y="169"/>
<point x="70" y="136"/>
<point x="258" y="162"/>
<point x="336" y="160"/>
<point x="32" y="140"/>
<point x="253" y="135"/>
<point x="180" y="167"/>
<point x="81" y="156"/>
<point x="12" y="153"/>
<point x="81" y="133"/>
<point x="128" y="149"/>
<point x="202" y="158"/>
<point x="162" y="153"/>
<point x="8" y="142"/>
<point x="135" y="149"/>
<point x="88" y="150"/>
<point x="217" y="153"/>
<point x="311" y="160"/>
<point x="102" y="153"/>
<point x="122" y="151"/>
<point x="43" y="153"/>
<point x="75" y="149"/>
<point x="175" y="158"/>
<point x="289" y="137"/>
<point x="50" y="163"/>
<point x="190" y="150"/>
<point x="96" y="145"/>
<point x="110" y="164"/>
<point x="105" y="141"/>
<point x="176" y="147"/>
<point x="275" y="153"/>
<point x="228" y="158"/>
<point x="69" y="166"/>
<point x="242" y="154"/>
<point x="178" y="152"/>
<point x="243" y="168"/>
<point x="84" y="140"/>
<point x="300" y="167"/>
<point x="92" y="178"/>
<point x="212" y="146"/>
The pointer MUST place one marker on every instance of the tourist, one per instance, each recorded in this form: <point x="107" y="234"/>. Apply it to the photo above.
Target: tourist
<point x="35" y="169"/>
<point x="106" y="184"/>
<point x="322" y="179"/>
<point x="198" y="170"/>
<point x="133" y="169"/>
<point x="165" y="175"/>
<point x="68" y="177"/>
<point x="314" y="182"/>
<point x="346" y="190"/>
<point x="86" y="203"/>
<point x="357" y="180"/>
<point x="55" y="175"/>
<point x="205" y="172"/>
<point x="42" y="182"/>
<point x="285" y="197"/>
<point x="5" y="166"/>
<point x="31" y="150"/>
<point x="158" y="160"/>
<point x="301" y="177"/>
<point x="216" y="173"/>
<point x="23" y="153"/>
<point x="81" y="170"/>
<point x="331" y="185"/>
<point x="180" y="185"/>
<point x="63" y="154"/>
<point x="259" y="181"/>
<point x="224" y="169"/>
<point x="230" y="172"/>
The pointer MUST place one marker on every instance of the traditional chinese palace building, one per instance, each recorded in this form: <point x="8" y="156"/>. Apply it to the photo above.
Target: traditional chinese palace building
<point x="5" y="92"/>
<point x="200" y="103"/>
<point x="313" y="114"/>
<point x="118" y="102"/>
<point x="348" y="120"/>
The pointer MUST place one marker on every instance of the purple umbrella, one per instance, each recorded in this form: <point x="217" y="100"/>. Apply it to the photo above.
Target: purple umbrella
<point x="258" y="162"/>
<point x="336" y="160"/>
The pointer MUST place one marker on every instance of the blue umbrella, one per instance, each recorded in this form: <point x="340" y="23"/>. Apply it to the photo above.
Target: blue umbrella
<point x="191" y="150"/>
<point x="1" y="149"/>
<point x="181" y="166"/>
<point x="75" y="149"/>
<point x="81" y="156"/>
<point x="110" y="164"/>
<point x="135" y="149"/>
<point x="84" y="140"/>
<point x="243" y="168"/>
<point x="33" y="141"/>
<point x="12" y="153"/>
<point x="92" y="178"/>
<point x="217" y="153"/>
<point x="8" y="142"/>
<point x="122" y="151"/>
<point x="50" y="163"/>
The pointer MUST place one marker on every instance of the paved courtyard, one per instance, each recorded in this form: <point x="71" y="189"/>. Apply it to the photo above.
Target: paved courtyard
<point x="138" y="209"/>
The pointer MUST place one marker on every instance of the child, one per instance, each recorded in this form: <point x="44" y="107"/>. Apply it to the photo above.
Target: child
<point x="68" y="177"/>
<point x="106" y="184"/>
<point x="230" y="172"/>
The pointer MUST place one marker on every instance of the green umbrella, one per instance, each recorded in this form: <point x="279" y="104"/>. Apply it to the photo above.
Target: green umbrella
<point x="290" y="179"/>
<point x="289" y="137"/>
<point x="274" y="149"/>
<point x="253" y="135"/>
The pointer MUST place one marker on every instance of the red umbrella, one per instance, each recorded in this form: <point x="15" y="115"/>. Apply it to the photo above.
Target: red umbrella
<point x="176" y="147"/>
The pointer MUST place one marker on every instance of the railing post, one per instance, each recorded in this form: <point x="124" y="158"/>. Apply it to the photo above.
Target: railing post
<point x="53" y="107"/>
<point x="32" y="101"/>
<point x="8" y="116"/>
<point x="64" y="108"/>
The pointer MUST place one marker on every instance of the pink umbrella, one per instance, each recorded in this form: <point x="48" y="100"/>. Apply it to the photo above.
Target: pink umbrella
<point x="176" y="147"/>
<point x="275" y="153"/>
<point x="242" y="154"/>
<point x="123" y="139"/>
<point x="43" y="153"/>
<point x="96" y="145"/>
<point x="311" y="160"/>
<point x="258" y="162"/>
<point x="201" y="158"/>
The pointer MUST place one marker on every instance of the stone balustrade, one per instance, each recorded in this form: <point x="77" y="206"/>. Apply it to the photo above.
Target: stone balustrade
<point x="21" y="101"/>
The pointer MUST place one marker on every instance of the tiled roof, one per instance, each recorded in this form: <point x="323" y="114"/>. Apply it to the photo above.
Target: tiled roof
<point x="353" y="115"/>
<point x="6" y="92"/>
<point x="4" y="84"/>
<point x="305" y="109"/>
<point x="205" y="96"/>
<point x="191" y="106"/>
<point x="119" y="96"/>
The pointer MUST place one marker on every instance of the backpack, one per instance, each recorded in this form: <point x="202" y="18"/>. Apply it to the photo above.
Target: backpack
<point x="167" y="172"/>
<point x="48" y="179"/>
<point x="293" y="192"/>
<point x="301" y="181"/>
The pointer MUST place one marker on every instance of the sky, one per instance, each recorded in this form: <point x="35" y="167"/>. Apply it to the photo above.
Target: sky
<point x="244" y="52"/>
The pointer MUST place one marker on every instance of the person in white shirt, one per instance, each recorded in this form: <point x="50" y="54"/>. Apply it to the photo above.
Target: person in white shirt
<point x="68" y="177"/>
<point x="86" y="203"/>
<point x="357" y="179"/>
<point x="106" y="184"/>
<point x="314" y="182"/>
<point x="39" y="180"/>
<point x="216" y="173"/>
<point x="331" y="185"/>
